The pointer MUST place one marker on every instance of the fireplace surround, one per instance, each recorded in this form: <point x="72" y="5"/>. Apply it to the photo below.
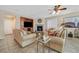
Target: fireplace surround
<point x="39" y="28"/>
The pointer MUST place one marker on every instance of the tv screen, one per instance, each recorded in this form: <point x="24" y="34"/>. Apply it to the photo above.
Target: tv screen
<point x="28" y="24"/>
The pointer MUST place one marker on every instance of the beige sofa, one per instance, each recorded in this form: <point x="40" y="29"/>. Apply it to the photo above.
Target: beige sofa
<point x="23" y="38"/>
<point x="57" y="44"/>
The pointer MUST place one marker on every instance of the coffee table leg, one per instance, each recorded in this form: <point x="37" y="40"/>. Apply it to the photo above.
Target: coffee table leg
<point x="43" y="47"/>
<point x="49" y="47"/>
<point x="37" y="46"/>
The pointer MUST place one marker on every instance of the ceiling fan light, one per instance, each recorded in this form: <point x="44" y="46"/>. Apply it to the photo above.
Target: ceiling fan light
<point x="54" y="12"/>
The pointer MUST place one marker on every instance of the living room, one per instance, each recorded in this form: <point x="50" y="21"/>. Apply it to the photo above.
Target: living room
<point x="22" y="27"/>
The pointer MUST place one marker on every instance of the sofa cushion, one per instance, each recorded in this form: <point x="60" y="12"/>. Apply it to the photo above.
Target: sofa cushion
<point x="29" y="36"/>
<point x="24" y="32"/>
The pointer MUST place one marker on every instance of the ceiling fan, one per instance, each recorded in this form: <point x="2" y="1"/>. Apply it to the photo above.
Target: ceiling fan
<point x="56" y="9"/>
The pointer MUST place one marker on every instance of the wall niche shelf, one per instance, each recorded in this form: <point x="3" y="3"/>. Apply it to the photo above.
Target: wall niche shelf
<point x="73" y="31"/>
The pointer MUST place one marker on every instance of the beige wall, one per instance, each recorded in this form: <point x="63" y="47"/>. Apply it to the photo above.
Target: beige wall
<point x="9" y="25"/>
<point x="1" y="25"/>
<point x="52" y="23"/>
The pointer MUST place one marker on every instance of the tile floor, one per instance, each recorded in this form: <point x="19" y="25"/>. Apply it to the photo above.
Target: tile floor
<point x="9" y="45"/>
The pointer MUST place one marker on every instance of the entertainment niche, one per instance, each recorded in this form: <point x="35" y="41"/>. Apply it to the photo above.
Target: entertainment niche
<point x="26" y="24"/>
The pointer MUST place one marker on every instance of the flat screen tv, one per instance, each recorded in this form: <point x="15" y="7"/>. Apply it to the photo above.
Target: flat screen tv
<point x="28" y="24"/>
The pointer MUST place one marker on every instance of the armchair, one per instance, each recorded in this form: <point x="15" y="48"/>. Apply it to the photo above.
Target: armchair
<point x="57" y="44"/>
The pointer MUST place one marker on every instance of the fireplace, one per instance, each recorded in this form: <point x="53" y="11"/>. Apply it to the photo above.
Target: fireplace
<point x="39" y="28"/>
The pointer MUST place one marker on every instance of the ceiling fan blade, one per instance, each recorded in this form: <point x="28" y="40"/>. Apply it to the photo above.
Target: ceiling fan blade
<point x="50" y="11"/>
<point x="56" y="9"/>
<point x="62" y="9"/>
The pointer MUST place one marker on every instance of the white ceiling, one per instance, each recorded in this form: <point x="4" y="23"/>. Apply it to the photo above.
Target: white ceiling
<point x="34" y="10"/>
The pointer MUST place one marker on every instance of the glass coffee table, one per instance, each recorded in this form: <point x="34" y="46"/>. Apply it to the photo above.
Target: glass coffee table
<point x="43" y="40"/>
